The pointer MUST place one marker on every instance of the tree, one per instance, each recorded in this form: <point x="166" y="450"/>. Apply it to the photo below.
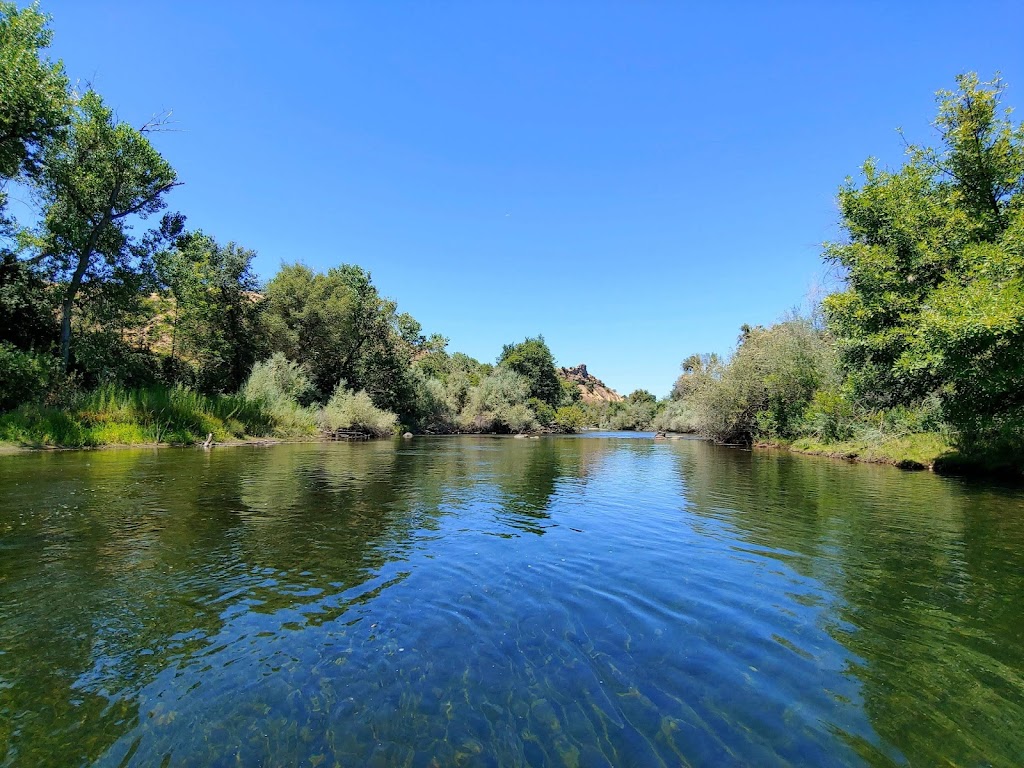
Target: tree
<point x="26" y="309"/>
<point x="339" y="327"/>
<point x="95" y="177"/>
<point x="641" y="396"/>
<point x="533" y="360"/>
<point x="216" y="308"/>
<point x="934" y="267"/>
<point x="35" y="101"/>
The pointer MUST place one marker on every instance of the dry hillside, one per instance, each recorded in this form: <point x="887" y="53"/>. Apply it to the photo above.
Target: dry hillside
<point x="592" y="389"/>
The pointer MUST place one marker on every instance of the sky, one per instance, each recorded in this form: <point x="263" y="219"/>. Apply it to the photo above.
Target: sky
<point x="632" y="180"/>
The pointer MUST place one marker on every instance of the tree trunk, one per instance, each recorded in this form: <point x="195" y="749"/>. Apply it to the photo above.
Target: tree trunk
<point x="67" y="305"/>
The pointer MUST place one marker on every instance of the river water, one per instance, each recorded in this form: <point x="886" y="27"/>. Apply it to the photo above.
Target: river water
<point x="578" y="601"/>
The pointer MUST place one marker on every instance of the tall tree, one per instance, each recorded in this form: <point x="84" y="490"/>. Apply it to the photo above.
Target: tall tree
<point x="532" y="358"/>
<point x="216" y="307"/>
<point x="34" y="103"/>
<point x="96" y="176"/>
<point x="342" y="329"/>
<point x="935" y="270"/>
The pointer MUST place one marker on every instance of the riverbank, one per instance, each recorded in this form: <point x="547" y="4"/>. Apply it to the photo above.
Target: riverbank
<point x="922" y="451"/>
<point x="158" y="415"/>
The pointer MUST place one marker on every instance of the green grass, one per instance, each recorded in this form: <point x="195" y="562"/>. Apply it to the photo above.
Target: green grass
<point x="913" y="451"/>
<point x="115" y="416"/>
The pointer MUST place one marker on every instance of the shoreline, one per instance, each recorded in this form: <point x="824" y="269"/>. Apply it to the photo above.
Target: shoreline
<point x="946" y="462"/>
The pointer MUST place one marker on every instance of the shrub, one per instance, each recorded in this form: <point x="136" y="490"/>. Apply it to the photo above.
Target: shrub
<point x="677" y="416"/>
<point x="355" y="410"/>
<point x="24" y="376"/>
<point x="498" y="404"/>
<point x="569" y="419"/>
<point x="278" y="378"/>
<point x="103" y="358"/>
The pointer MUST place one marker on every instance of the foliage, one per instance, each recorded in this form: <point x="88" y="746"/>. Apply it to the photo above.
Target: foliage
<point x="569" y="419"/>
<point x="641" y="397"/>
<point x="278" y="378"/>
<point x="215" y="320"/>
<point x="763" y="390"/>
<point x="35" y="103"/>
<point x="103" y="357"/>
<point x="934" y="302"/>
<point x="498" y="404"/>
<point x="341" y="329"/>
<point x="24" y="376"/>
<point x="676" y="416"/>
<point x="27" y="317"/>
<point x="533" y="360"/>
<point x="96" y="176"/>
<point x="355" y="410"/>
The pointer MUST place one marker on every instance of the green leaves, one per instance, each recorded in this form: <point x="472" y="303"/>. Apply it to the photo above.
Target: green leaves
<point x="935" y="269"/>
<point x="533" y="360"/>
<point x="35" y="102"/>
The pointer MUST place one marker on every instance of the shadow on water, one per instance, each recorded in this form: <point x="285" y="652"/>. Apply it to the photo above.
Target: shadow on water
<point x="925" y="574"/>
<point x="486" y="601"/>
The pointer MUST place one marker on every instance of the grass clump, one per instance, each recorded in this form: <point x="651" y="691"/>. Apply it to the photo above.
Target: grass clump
<point x="911" y="451"/>
<point x="113" y="415"/>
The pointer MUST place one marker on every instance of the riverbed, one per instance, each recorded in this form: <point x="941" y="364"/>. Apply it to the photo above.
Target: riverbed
<point x="590" y="600"/>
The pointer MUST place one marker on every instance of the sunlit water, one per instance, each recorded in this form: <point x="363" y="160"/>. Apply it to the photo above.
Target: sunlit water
<point x="587" y="601"/>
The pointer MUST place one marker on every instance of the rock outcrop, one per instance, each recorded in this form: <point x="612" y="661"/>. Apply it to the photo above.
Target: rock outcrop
<point x="592" y="389"/>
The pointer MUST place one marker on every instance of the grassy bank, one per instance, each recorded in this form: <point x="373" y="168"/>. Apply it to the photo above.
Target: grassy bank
<point x="912" y="451"/>
<point x="924" y="450"/>
<point x="115" y="416"/>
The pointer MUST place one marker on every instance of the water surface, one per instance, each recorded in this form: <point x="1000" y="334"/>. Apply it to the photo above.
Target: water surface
<point x="585" y="601"/>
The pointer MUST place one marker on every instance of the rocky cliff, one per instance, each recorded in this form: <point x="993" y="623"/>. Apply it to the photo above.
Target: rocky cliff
<point x="592" y="389"/>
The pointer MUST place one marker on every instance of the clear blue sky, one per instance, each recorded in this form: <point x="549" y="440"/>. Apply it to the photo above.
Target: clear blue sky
<point x="632" y="180"/>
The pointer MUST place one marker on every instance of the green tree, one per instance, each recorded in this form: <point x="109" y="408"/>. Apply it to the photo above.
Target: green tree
<point x="95" y="178"/>
<point x="533" y="360"/>
<point x="34" y="104"/>
<point x="26" y="306"/>
<point x="340" y="328"/>
<point x="638" y="396"/>
<point x="216" y="308"/>
<point x="934" y="266"/>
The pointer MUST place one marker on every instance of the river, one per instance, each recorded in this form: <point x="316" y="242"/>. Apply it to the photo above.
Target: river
<point x="594" y="600"/>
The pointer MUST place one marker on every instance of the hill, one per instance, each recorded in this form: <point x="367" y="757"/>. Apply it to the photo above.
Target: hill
<point x="592" y="389"/>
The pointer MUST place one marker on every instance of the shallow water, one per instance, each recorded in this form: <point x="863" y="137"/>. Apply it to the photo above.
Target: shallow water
<point x="594" y="600"/>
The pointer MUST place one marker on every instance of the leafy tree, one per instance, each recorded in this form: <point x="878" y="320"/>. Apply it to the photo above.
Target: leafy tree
<point x="638" y="396"/>
<point x="698" y="370"/>
<point x="216" y="307"/>
<point x="35" y="102"/>
<point x="95" y="177"/>
<point x="569" y="419"/>
<point x="26" y="306"/>
<point x="498" y="404"/>
<point x="533" y="360"/>
<point x="339" y="327"/>
<point x="934" y="264"/>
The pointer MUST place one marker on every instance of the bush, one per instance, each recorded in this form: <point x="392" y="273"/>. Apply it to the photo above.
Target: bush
<point x="830" y="416"/>
<point x="24" y="376"/>
<point x="544" y="412"/>
<point x="498" y="404"/>
<point x="278" y="378"/>
<point x="103" y="358"/>
<point x="355" y="410"/>
<point x="569" y="419"/>
<point x="765" y="389"/>
<point x="676" y="416"/>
